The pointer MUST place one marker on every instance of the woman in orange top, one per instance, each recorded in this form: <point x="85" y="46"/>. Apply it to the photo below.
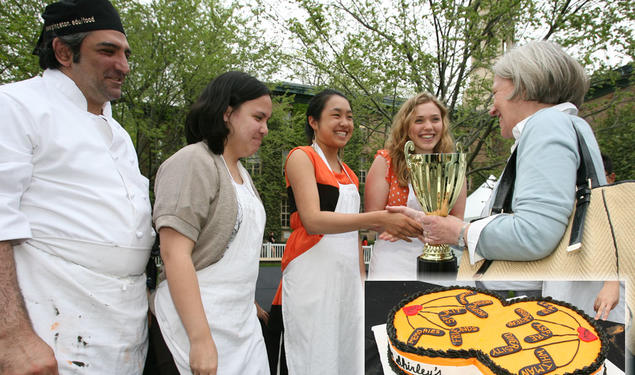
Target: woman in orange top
<point x="423" y="119"/>
<point x="323" y="269"/>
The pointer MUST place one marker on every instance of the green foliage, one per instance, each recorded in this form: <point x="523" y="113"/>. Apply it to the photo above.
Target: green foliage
<point x="286" y="130"/>
<point x="19" y="31"/>
<point x="382" y="52"/>
<point x="616" y="137"/>
<point x="178" y="47"/>
<point x="612" y="117"/>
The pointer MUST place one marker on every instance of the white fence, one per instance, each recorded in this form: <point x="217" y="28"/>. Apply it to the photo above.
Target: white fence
<point x="272" y="252"/>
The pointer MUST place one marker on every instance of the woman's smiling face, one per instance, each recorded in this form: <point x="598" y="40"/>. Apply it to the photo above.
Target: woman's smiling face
<point x="335" y="126"/>
<point x="426" y="127"/>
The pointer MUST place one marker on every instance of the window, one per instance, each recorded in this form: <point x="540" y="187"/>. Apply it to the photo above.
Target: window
<point x="285" y="217"/>
<point x="362" y="170"/>
<point x="283" y="159"/>
<point x="253" y="164"/>
<point x="362" y="176"/>
<point x="364" y="133"/>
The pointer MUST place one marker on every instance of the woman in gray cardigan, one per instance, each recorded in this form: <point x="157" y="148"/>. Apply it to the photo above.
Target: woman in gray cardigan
<point x="211" y="221"/>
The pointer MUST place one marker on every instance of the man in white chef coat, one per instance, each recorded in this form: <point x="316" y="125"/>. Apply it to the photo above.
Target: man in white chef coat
<point x="75" y="225"/>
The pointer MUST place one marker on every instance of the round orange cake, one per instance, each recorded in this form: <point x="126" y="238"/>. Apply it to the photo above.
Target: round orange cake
<point x="461" y="330"/>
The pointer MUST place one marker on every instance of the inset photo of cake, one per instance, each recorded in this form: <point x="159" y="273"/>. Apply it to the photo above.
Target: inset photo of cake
<point x="503" y="327"/>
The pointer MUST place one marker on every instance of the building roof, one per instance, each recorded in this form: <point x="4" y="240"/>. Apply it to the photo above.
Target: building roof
<point x="608" y="83"/>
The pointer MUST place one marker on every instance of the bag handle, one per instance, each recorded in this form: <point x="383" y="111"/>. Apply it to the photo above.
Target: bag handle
<point x="587" y="179"/>
<point x="505" y="189"/>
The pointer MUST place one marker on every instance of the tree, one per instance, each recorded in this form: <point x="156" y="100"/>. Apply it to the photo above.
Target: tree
<point x="178" y="47"/>
<point x="610" y="109"/>
<point x="379" y="52"/>
<point x="19" y="31"/>
<point x="286" y="130"/>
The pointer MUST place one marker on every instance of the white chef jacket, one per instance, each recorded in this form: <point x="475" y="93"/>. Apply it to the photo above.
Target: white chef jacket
<point x="67" y="173"/>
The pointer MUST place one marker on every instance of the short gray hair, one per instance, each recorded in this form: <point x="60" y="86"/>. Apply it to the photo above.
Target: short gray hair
<point x="541" y="71"/>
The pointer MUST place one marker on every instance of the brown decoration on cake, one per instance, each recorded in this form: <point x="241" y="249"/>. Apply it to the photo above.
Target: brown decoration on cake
<point x="545" y="366"/>
<point x="513" y="346"/>
<point x="543" y="333"/>
<point x="446" y="316"/>
<point x="525" y="317"/>
<point x="549" y="309"/>
<point x="417" y="333"/>
<point x="455" y="334"/>
<point x="462" y="298"/>
<point x="474" y="308"/>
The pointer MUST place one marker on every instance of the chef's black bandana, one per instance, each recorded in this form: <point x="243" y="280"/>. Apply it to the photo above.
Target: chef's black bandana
<point x="75" y="16"/>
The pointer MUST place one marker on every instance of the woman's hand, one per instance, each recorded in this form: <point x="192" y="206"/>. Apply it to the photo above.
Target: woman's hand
<point x="436" y="229"/>
<point x="411" y="213"/>
<point x="606" y="299"/>
<point x="176" y="250"/>
<point x="203" y="356"/>
<point x="400" y="226"/>
<point x="262" y="314"/>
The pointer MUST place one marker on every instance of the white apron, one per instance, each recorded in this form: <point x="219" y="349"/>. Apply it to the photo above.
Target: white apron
<point x="322" y="301"/>
<point x="396" y="260"/>
<point x="95" y="322"/>
<point x="228" y="290"/>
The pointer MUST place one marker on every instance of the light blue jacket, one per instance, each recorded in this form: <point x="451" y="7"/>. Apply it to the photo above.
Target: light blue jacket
<point x="544" y="190"/>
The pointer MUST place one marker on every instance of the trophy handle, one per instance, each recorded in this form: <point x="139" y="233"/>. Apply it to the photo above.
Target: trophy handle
<point x="460" y="176"/>
<point x="408" y="148"/>
<point x="459" y="147"/>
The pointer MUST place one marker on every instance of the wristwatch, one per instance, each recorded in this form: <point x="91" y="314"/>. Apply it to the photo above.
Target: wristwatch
<point x="461" y="241"/>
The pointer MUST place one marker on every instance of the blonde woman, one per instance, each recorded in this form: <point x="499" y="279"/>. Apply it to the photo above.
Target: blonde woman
<point x="423" y="119"/>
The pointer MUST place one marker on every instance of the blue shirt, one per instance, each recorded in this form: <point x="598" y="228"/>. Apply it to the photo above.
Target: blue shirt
<point x="544" y="190"/>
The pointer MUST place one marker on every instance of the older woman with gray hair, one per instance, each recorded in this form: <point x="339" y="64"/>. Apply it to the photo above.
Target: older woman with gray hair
<point x="537" y="91"/>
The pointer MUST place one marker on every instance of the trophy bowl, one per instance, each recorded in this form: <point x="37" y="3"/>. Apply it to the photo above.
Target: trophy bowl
<point x="437" y="180"/>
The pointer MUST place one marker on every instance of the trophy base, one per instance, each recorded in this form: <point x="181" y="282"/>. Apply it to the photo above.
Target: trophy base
<point x="436" y="269"/>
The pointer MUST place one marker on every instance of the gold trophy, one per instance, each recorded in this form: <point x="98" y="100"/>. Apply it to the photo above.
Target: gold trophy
<point x="437" y="180"/>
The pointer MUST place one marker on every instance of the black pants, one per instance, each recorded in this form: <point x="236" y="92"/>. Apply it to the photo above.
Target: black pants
<point x="159" y="360"/>
<point x="274" y="341"/>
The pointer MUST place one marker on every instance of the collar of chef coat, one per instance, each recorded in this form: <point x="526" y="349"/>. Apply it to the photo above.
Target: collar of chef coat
<point x="67" y="87"/>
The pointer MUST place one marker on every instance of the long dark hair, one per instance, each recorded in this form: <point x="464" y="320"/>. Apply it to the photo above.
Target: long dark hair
<point x="205" y="120"/>
<point x="315" y="108"/>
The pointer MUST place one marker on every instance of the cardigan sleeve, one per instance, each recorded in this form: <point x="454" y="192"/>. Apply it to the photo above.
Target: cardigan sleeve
<point x="185" y="186"/>
<point x="544" y="192"/>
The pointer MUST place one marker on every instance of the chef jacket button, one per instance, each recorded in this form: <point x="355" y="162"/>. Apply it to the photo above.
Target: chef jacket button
<point x="139" y="234"/>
